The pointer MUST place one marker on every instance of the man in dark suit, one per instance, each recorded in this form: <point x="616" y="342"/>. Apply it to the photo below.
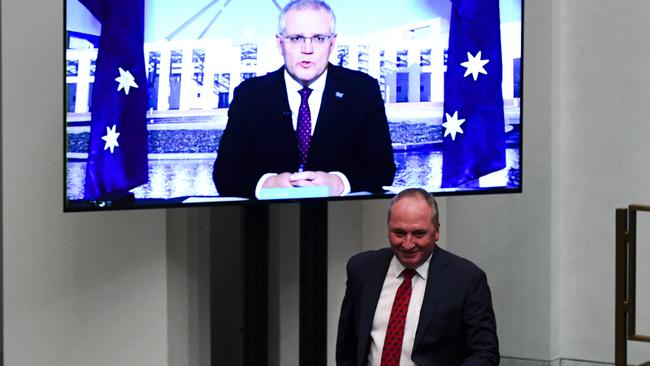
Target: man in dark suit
<point x="444" y="300"/>
<point x="310" y="123"/>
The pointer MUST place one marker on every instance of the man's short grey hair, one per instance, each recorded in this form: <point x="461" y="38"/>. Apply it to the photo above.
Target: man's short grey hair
<point x="301" y="5"/>
<point x="419" y="192"/>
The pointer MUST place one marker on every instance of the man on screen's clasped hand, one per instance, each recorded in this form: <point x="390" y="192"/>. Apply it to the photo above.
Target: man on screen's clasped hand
<point x="310" y="123"/>
<point x="415" y="303"/>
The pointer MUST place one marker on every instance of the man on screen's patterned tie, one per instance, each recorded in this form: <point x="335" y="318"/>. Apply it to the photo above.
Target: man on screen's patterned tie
<point x="303" y="131"/>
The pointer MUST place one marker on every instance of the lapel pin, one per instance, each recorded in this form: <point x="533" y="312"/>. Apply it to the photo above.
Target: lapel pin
<point x="339" y="94"/>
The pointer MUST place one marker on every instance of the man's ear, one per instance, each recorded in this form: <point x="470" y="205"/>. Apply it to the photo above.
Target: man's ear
<point x="332" y="43"/>
<point x="278" y="42"/>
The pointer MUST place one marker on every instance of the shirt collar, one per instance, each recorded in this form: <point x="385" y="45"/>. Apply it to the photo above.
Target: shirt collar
<point x="395" y="268"/>
<point x="293" y="86"/>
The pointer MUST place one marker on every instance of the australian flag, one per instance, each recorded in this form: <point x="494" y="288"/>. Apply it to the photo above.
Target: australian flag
<point x="117" y="157"/>
<point x="473" y="118"/>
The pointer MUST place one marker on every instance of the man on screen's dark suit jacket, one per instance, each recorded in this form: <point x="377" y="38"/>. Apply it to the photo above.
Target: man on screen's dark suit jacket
<point x="456" y="324"/>
<point x="351" y="134"/>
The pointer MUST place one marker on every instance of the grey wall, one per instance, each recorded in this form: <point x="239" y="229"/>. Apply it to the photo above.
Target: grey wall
<point x="599" y="133"/>
<point x="188" y="285"/>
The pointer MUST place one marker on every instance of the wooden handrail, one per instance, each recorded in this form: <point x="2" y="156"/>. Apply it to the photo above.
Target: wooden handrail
<point x="625" y="283"/>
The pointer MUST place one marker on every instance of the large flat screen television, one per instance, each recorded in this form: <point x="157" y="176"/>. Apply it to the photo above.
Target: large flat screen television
<point x="149" y="85"/>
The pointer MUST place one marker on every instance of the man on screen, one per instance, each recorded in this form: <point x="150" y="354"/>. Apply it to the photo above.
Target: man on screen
<point x="310" y="123"/>
<point x="415" y="303"/>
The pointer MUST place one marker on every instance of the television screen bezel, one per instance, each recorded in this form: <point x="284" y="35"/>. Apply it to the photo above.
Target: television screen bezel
<point x="82" y="205"/>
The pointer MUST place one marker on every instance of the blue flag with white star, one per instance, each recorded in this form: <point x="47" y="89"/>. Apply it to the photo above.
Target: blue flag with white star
<point x="473" y="117"/>
<point x="117" y="156"/>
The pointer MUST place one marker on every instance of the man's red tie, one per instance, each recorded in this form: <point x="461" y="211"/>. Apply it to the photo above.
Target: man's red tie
<point x="392" y="351"/>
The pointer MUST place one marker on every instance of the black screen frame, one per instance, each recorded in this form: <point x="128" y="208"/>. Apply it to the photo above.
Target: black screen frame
<point x="81" y="205"/>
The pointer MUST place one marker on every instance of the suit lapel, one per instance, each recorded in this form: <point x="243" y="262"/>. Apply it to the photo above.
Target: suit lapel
<point x="330" y="109"/>
<point x="433" y="291"/>
<point x="370" y="297"/>
<point x="281" y="112"/>
<point x="280" y="101"/>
